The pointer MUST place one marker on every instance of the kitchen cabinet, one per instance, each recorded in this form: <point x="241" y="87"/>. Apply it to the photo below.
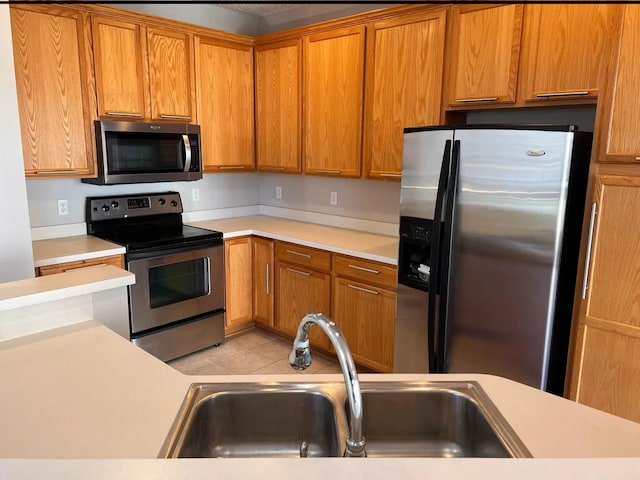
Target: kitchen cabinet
<point x="170" y="57"/>
<point x="238" y="283"/>
<point x="485" y="51"/>
<point x="565" y="50"/>
<point x="404" y="66"/>
<point x="55" y="89"/>
<point x="118" y="47"/>
<point x="333" y="79"/>
<point x="607" y="358"/>
<point x="303" y="285"/>
<point x="363" y="306"/>
<point x="263" y="273"/>
<point x="224" y="85"/>
<point x="618" y="134"/>
<point x="115" y="260"/>
<point x="278" y="103"/>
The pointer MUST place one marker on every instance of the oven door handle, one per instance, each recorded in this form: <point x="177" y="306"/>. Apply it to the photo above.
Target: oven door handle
<point x="187" y="153"/>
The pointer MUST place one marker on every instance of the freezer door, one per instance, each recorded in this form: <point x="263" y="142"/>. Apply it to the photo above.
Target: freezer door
<point x="421" y="161"/>
<point x="505" y="251"/>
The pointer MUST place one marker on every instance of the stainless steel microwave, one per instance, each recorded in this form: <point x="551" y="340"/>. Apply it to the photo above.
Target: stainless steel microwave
<point x="140" y="152"/>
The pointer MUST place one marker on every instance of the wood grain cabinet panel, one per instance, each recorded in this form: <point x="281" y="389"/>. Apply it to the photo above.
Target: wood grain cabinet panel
<point x="170" y="57"/>
<point x="224" y="85"/>
<point x="618" y="135"/>
<point x="607" y="358"/>
<point x="565" y="50"/>
<point x="114" y="260"/>
<point x="263" y="281"/>
<point x="485" y="51"/>
<point x="238" y="283"/>
<point x="333" y="92"/>
<point x="278" y="80"/>
<point x="366" y="316"/>
<point x="55" y="89"/>
<point x="403" y="86"/>
<point x="119" y="68"/>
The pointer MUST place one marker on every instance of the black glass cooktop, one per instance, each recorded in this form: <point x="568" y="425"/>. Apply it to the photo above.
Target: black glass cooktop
<point x="147" y="238"/>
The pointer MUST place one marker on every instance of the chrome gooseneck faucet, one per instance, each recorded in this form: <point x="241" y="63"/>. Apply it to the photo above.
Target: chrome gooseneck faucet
<point x="300" y="359"/>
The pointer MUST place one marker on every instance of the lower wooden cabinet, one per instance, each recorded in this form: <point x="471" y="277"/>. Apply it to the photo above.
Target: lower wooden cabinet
<point x="263" y="281"/>
<point x="238" y="282"/>
<point x="301" y="290"/>
<point x="366" y="315"/>
<point x="115" y="260"/>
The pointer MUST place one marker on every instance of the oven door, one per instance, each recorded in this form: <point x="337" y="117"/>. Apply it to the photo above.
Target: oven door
<point x="175" y="286"/>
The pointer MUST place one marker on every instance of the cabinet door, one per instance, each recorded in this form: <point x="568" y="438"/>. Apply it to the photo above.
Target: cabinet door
<point x="301" y="291"/>
<point x="366" y="316"/>
<point x="278" y="77"/>
<point x="55" y="90"/>
<point x="263" y="281"/>
<point x="333" y="89"/>
<point x="224" y="84"/>
<point x="118" y="63"/>
<point x="485" y="50"/>
<point x="403" y="86"/>
<point x="607" y="359"/>
<point x="115" y="260"/>
<point x="567" y="64"/>
<point x="238" y="282"/>
<point x="619" y="112"/>
<point x="170" y="75"/>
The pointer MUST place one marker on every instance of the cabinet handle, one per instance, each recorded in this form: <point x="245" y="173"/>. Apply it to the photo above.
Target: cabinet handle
<point x="587" y="259"/>
<point x="56" y="172"/>
<point x="563" y="94"/>
<point x="121" y="114"/>
<point x="366" y="290"/>
<point x="392" y="175"/>
<point x="370" y="270"/>
<point x="175" y="117"/>
<point x="85" y="268"/>
<point x="481" y="99"/>
<point x="268" y="286"/>
<point x="278" y="169"/>
<point x="299" y="272"/>
<point x="638" y="158"/>
<point x="293" y="252"/>
<point x="232" y="167"/>
<point x="330" y="172"/>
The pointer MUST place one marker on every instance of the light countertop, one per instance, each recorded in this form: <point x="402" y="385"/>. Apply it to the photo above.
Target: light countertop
<point x="72" y="249"/>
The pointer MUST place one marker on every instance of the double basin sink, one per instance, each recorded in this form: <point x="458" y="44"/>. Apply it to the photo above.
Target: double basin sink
<point x="400" y="419"/>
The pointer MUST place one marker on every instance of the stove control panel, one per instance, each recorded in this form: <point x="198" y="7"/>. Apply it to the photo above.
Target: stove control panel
<point x="123" y="206"/>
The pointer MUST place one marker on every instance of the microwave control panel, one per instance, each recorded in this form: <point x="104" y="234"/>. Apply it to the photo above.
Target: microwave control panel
<point x="123" y="206"/>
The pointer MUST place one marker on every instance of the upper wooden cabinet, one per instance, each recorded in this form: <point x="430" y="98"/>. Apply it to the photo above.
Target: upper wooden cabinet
<point x="278" y="79"/>
<point x="170" y="75"/>
<point x="224" y="85"/>
<point x="607" y="358"/>
<point x="52" y="56"/>
<point x="404" y="68"/>
<point x="485" y="51"/>
<point x="565" y="50"/>
<point x="618" y="135"/>
<point x="118" y="47"/>
<point x="333" y="90"/>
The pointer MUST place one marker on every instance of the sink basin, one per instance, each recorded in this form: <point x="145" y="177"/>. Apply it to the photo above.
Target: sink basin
<point x="401" y="419"/>
<point x="431" y="421"/>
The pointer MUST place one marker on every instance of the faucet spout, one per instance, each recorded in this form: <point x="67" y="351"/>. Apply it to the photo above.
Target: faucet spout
<point x="300" y="359"/>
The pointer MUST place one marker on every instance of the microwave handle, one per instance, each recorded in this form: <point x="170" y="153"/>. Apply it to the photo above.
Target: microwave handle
<point x="187" y="153"/>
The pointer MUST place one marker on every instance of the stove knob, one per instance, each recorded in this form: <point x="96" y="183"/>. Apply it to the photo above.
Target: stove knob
<point x="105" y="208"/>
<point x="162" y="201"/>
<point x="174" y="203"/>
<point x="114" y="204"/>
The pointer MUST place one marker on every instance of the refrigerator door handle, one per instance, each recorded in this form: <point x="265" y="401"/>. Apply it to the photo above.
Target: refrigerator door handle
<point x="445" y="255"/>
<point x="435" y="256"/>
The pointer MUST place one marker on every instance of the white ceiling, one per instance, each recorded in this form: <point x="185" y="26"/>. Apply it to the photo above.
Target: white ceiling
<point x="260" y="9"/>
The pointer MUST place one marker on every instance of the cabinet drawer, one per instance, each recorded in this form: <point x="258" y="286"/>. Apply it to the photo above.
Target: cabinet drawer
<point x="115" y="260"/>
<point x="365" y="271"/>
<point x="310" y="257"/>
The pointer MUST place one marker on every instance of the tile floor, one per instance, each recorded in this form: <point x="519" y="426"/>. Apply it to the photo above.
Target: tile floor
<point x="255" y="352"/>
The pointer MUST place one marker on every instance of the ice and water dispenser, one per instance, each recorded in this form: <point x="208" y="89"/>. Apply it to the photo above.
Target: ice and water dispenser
<point x="414" y="259"/>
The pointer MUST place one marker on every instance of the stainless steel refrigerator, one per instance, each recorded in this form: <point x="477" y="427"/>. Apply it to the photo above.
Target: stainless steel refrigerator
<point x="490" y="226"/>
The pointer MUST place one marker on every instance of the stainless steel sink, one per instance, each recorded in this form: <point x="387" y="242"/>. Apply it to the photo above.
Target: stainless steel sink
<point x="401" y="419"/>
